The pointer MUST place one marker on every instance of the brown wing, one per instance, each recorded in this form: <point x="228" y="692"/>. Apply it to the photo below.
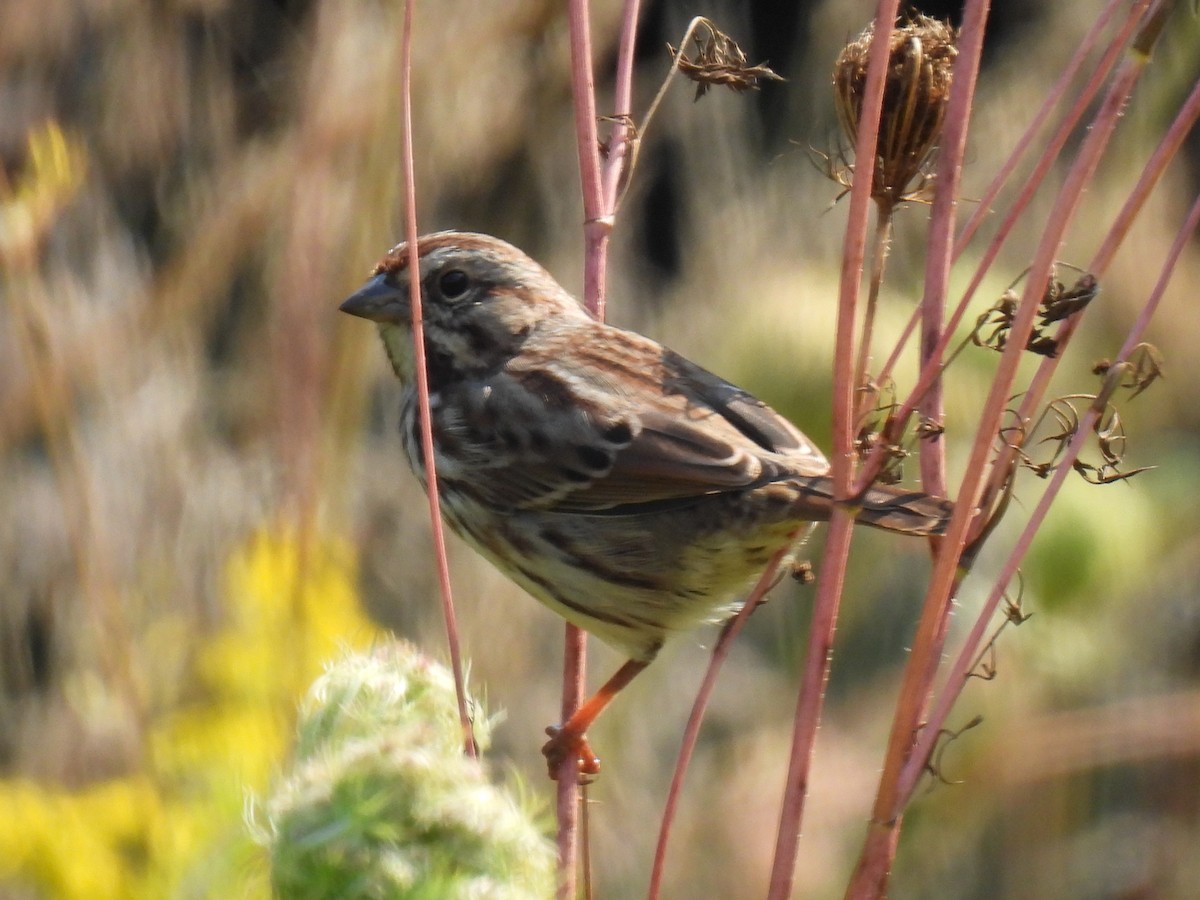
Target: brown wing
<point x="620" y="422"/>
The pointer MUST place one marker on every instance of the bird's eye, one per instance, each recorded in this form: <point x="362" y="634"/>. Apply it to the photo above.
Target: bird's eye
<point x="454" y="284"/>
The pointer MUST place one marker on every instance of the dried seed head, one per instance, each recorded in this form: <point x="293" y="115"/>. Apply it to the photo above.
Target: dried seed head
<point x="719" y="60"/>
<point x="914" y="103"/>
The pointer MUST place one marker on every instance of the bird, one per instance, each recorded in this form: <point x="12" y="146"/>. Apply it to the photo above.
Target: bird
<point x="628" y="489"/>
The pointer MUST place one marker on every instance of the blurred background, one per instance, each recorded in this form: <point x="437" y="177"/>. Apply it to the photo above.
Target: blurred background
<point x="203" y="496"/>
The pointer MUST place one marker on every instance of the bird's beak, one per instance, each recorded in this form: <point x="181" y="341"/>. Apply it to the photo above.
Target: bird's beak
<point x="379" y="301"/>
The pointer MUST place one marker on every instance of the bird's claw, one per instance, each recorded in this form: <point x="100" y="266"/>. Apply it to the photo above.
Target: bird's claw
<point x="564" y="745"/>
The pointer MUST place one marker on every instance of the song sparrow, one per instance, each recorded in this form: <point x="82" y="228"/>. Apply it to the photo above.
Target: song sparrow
<point x="623" y="486"/>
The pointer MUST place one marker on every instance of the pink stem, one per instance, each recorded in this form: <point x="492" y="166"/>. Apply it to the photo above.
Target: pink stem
<point x="597" y="223"/>
<point x="1070" y="196"/>
<point x="965" y="661"/>
<point x="575" y="641"/>
<point x="890" y="802"/>
<point x="1055" y="94"/>
<point x="870" y="876"/>
<point x="929" y="373"/>
<point x="699" y="707"/>
<point x="598" y="194"/>
<point x="567" y="776"/>
<point x="618" y="141"/>
<point x="414" y="283"/>
<point x="952" y="148"/>
<point x="837" y="546"/>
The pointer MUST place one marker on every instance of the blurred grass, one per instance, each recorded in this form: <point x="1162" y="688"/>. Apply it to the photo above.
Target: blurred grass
<point x="200" y="477"/>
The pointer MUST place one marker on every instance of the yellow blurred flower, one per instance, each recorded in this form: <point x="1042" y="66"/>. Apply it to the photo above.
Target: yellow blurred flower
<point x="290" y="605"/>
<point x="96" y="843"/>
<point x="53" y="173"/>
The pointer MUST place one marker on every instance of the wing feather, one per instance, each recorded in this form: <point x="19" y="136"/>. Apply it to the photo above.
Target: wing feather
<point x="643" y="427"/>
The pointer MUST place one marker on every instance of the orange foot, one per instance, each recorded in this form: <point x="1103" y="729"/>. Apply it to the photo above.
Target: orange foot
<point x="566" y="744"/>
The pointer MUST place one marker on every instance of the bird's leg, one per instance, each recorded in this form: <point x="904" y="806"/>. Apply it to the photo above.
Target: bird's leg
<point x="570" y="738"/>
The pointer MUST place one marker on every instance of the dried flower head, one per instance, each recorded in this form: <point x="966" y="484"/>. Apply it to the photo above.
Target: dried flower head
<point x="719" y="60"/>
<point x="1058" y="302"/>
<point x="914" y="103"/>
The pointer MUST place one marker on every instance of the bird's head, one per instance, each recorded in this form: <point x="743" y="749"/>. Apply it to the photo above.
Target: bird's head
<point x="481" y="299"/>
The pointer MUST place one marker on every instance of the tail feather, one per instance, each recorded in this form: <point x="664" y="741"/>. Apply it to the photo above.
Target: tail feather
<point x="882" y="506"/>
<point x="905" y="512"/>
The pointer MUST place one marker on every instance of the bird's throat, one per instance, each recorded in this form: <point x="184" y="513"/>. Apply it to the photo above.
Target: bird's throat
<point x="398" y="344"/>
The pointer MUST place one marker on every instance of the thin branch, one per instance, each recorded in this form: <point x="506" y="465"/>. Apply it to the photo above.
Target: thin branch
<point x="676" y="61"/>
<point x="597" y="221"/>
<point x="567" y="788"/>
<point x="699" y="706"/>
<point x="879" y="253"/>
<point x="952" y="149"/>
<point x="618" y="167"/>
<point x="575" y="640"/>
<point x="414" y="286"/>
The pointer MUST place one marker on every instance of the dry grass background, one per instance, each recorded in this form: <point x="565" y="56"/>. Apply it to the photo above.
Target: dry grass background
<point x="180" y="402"/>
